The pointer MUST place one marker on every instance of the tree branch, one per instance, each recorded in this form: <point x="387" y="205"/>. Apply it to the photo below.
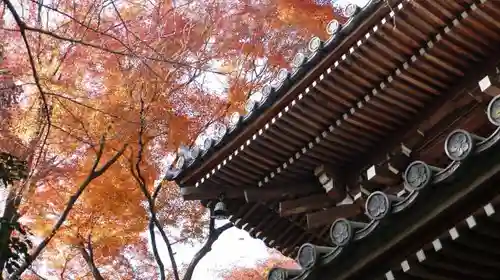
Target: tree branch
<point x="45" y="105"/>
<point x="88" y="256"/>
<point x="94" y="173"/>
<point x="213" y="235"/>
<point x="136" y="173"/>
<point x="154" y="246"/>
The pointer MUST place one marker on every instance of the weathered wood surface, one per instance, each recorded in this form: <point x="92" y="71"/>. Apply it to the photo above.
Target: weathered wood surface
<point x="467" y="250"/>
<point x="411" y="87"/>
<point x="454" y="202"/>
<point x="305" y="204"/>
<point x="250" y="194"/>
<point x="328" y="216"/>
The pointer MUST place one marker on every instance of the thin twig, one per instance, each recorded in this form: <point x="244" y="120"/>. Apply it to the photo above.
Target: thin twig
<point x="136" y="173"/>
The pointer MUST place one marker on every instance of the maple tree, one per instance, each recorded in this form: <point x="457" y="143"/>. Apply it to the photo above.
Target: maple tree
<point x="105" y="91"/>
<point x="261" y="269"/>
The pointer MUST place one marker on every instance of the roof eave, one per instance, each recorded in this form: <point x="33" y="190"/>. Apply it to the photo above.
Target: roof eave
<point x="334" y="48"/>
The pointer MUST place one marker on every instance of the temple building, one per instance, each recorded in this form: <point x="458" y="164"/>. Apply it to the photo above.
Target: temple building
<point x="377" y="156"/>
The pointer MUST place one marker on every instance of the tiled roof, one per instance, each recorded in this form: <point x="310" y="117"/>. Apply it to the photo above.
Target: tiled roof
<point x="258" y="102"/>
<point x="399" y="77"/>
<point x="461" y="147"/>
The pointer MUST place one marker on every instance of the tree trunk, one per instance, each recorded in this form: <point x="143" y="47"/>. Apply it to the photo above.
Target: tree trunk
<point x="10" y="215"/>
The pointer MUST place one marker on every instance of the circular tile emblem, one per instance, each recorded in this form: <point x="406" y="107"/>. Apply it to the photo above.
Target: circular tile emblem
<point x="458" y="145"/>
<point x="179" y="164"/>
<point x="307" y="256"/>
<point x="377" y="205"/>
<point x="333" y="27"/>
<point x="277" y="274"/>
<point x="314" y="44"/>
<point x="417" y="175"/>
<point x="350" y="10"/>
<point x="493" y="111"/>
<point x="251" y="103"/>
<point x="341" y="232"/>
<point x="298" y="60"/>
<point x="234" y="119"/>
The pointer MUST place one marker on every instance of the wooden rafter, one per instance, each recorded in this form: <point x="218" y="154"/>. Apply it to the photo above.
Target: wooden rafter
<point x="430" y="116"/>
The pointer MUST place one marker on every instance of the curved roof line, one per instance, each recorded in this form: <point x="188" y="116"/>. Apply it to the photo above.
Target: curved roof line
<point x="276" y="92"/>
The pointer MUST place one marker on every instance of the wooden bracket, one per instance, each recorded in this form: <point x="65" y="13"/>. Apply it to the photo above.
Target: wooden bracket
<point x="331" y="181"/>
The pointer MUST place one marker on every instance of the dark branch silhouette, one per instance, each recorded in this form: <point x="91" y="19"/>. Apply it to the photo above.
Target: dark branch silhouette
<point x="213" y="235"/>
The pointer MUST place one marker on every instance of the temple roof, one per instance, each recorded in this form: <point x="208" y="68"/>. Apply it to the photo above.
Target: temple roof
<point x="473" y="168"/>
<point x="261" y="106"/>
<point x="389" y="87"/>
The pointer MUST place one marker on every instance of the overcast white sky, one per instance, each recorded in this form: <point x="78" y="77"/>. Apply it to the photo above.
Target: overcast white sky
<point x="235" y="248"/>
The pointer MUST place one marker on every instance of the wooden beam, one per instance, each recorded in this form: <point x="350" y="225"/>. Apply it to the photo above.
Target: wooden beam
<point x="453" y="202"/>
<point x="387" y="174"/>
<point x="264" y="221"/>
<point x="382" y="175"/>
<point x="370" y="187"/>
<point x="251" y="194"/>
<point x="193" y="193"/>
<point x="490" y="85"/>
<point x="331" y="180"/>
<point x="305" y="204"/>
<point x="273" y="193"/>
<point x="399" y="160"/>
<point x="328" y="216"/>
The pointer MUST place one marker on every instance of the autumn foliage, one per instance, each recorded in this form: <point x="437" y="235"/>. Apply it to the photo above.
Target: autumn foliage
<point x="117" y="86"/>
<point x="261" y="269"/>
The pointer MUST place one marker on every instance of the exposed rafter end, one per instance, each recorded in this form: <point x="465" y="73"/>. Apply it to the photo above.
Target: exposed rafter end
<point x="382" y="175"/>
<point x="490" y="85"/>
<point x="332" y="182"/>
<point x="399" y="160"/>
